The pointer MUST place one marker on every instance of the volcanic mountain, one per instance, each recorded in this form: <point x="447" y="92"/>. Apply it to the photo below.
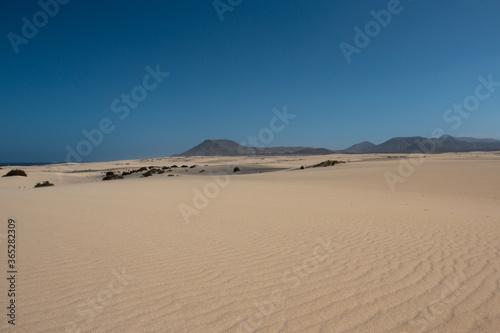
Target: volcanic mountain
<point x="398" y="145"/>
<point x="231" y="148"/>
<point x="444" y="144"/>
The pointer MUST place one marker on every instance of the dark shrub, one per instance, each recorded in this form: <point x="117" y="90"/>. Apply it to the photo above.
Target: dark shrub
<point x="147" y="174"/>
<point x="171" y="175"/>
<point x="302" y="168"/>
<point x="165" y="168"/>
<point x="151" y="167"/>
<point x="142" y="169"/>
<point x="327" y="163"/>
<point x="44" y="184"/>
<point x="125" y="173"/>
<point x="15" y="172"/>
<point x="184" y="166"/>
<point x="192" y="166"/>
<point x="160" y="172"/>
<point x="174" y="166"/>
<point x="236" y="169"/>
<point x="110" y="173"/>
<point x="112" y="177"/>
<point x="202" y="171"/>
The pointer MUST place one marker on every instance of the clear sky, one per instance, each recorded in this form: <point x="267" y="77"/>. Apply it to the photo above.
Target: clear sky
<point x="226" y="76"/>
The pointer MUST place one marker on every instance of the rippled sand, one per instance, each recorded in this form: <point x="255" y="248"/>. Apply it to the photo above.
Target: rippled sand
<point x="317" y="250"/>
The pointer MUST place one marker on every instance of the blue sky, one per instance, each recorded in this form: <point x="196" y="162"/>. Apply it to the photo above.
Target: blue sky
<point x="226" y="77"/>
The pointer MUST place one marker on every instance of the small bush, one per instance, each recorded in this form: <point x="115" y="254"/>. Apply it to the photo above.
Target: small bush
<point x="184" y="166"/>
<point x="15" y="172"/>
<point x="302" y="168"/>
<point x="236" y="169"/>
<point x="202" y="171"/>
<point x="44" y="184"/>
<point x="147" y="174"/>
<point x="111" y="177"/>
<point x="110" y="173"/>
<point x="327" y="163"/>
<point x="142" y="169"/>
<point x="174" y="166"/>
<point x="171" y="175"/>
<point x="192" y="166"/>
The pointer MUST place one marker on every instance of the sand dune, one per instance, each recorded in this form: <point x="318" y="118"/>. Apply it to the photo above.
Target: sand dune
<point x="317" y="250"/>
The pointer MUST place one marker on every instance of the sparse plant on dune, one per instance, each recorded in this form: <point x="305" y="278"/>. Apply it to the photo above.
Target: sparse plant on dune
<point x="15" y="172"/>
<point x="110" y="175"/>
<point x="44" y="184"/>
<point x="327" y="163"/>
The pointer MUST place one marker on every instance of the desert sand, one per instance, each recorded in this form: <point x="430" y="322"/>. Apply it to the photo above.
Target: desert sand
<point x="328" y="249"/>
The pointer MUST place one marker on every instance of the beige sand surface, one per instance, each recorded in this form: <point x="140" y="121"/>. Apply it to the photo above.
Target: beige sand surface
<point x="317" y="250"/>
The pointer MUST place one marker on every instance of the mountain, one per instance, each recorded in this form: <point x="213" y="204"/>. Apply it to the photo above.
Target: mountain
<point x="218" y="148"/>
<point x="468" y="139"/>
<point x="398" y="145"/>
<point x="231" y="148"/>
<point x="444" y="144"/>
<point x="360" y="146"/>
<point x="314" y="151"/>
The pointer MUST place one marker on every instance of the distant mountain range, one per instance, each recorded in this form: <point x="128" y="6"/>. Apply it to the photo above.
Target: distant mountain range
<point x="231" y="148"/>
<point x="444" y="144"/>
<point x="399" y="145"/>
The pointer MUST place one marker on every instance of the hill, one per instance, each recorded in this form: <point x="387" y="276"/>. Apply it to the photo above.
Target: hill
<point x="397" y="145"/>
